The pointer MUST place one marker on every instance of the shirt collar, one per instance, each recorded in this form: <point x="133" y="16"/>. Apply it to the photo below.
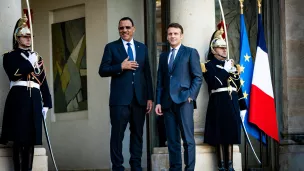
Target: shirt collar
<point x="176" y="49"/>
<point x="125" y="42"/>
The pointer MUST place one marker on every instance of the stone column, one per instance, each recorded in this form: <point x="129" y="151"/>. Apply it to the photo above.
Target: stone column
<point x="198" y="20"/>
<point x="10" y="13"/>
<point x="291" y="151"/>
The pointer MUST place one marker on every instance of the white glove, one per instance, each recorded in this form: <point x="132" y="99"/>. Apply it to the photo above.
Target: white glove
<point x="242" y="115"/>
<point x="228" y="65"/>
<point x="33" y="58"/>
<point x="44" y="112"/>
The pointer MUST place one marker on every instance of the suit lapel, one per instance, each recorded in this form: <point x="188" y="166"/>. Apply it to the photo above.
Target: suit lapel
<point x="137" y="51"/>
<point x="121" y="49"/>
<point x="178" y="56"/>
<point x="166" y="54"/>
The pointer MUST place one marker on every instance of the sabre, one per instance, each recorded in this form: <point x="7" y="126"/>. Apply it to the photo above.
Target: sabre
<point x="49" y="143"/>
<point x="247" y="138"/>
<point x="30" y="20"/>
<point x="225" y="28"/>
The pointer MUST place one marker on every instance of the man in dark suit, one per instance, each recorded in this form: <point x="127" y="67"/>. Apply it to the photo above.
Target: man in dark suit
<point x="178" y="83"/>
<point x="126" y="62"/>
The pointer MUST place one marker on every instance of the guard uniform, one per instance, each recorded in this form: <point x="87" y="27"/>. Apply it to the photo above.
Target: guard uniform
<point x="226" y="100"/>
<point x="223" y="122"/>
<point x="28" y="96"/>
<point x="22" y="118"/>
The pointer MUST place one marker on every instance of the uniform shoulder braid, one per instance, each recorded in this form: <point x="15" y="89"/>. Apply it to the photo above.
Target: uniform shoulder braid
<point x="203" y="66"/>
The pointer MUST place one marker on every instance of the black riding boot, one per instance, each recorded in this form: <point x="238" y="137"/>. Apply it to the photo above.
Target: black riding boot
<point x="27" y="158"/>
<point x="17" y="156"/>
<point x="220" y="157"/>
<point x="230" y="158"/>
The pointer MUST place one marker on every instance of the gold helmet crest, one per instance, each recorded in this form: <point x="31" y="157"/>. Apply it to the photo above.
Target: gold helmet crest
<point x="22" y="28"/>
<point x="218" y="39"/>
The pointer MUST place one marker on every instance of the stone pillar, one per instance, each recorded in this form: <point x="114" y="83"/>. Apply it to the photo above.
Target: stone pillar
<point x="198" y="20"/>
<point x="10" y="13"/>
<point x="291" y="151"/>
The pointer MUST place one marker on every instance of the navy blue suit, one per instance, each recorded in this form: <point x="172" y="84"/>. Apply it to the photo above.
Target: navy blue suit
<point x="129" y="93"/>
<point x="173" y="90"/>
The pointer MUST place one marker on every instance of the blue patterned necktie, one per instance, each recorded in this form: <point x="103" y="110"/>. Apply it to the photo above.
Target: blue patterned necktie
<point x="130" y="52"/>
<point x="170" y="65"/>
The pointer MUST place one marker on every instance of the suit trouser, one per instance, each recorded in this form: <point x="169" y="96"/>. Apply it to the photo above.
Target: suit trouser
<point x="179" y="123"/>
<point x="120" y="117"/>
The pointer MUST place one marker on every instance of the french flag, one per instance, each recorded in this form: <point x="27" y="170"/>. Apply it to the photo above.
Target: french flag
<point x="262" y="111"/>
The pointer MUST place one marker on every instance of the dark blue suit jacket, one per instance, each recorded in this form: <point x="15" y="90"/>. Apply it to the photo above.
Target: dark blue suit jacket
<point x="122" y="89"/>
<point x="183" y="81"/>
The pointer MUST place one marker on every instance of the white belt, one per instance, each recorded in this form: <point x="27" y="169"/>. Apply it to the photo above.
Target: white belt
<point x="30" y="84"/>
<point x="223" y="89"/>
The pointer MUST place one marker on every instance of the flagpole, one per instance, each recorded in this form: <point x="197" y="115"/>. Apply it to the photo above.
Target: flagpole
<point x="259" y="5"/>
<point x="243" y="125"/>
<point x="261" y="132"/>
<point x="242" y="6"/>
<point x="245" y="146"/>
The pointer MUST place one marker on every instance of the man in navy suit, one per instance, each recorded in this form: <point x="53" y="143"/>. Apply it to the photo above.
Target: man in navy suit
<point x="179" y="79"/>
<point x="126" y="62"/>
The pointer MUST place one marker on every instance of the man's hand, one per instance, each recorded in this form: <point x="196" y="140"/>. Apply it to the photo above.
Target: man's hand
<point x="149" y="106"/>
<point x="190" y="99"/>
<point x="129" y="65"/>
<point x="158" y="110"/>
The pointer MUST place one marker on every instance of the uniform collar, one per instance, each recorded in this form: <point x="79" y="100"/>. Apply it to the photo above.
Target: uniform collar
<point x="217" y="62"/>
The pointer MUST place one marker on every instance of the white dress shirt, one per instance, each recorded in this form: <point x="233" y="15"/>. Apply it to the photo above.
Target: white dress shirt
<point x="132" y="47"/>
<point x="176" y="50"/>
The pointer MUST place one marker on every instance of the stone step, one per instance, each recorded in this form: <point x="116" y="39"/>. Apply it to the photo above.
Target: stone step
<point x="205" y="159"/>
<point x="40" y="162"/>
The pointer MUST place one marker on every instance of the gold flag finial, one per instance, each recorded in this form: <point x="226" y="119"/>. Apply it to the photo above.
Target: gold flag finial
<point x="242" y="6"/>
<point x="259" y="5"/>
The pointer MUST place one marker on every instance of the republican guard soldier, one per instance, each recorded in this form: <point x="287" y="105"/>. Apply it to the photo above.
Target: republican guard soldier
<point x="223" y="121"/>
<point x="28" y="99"/>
